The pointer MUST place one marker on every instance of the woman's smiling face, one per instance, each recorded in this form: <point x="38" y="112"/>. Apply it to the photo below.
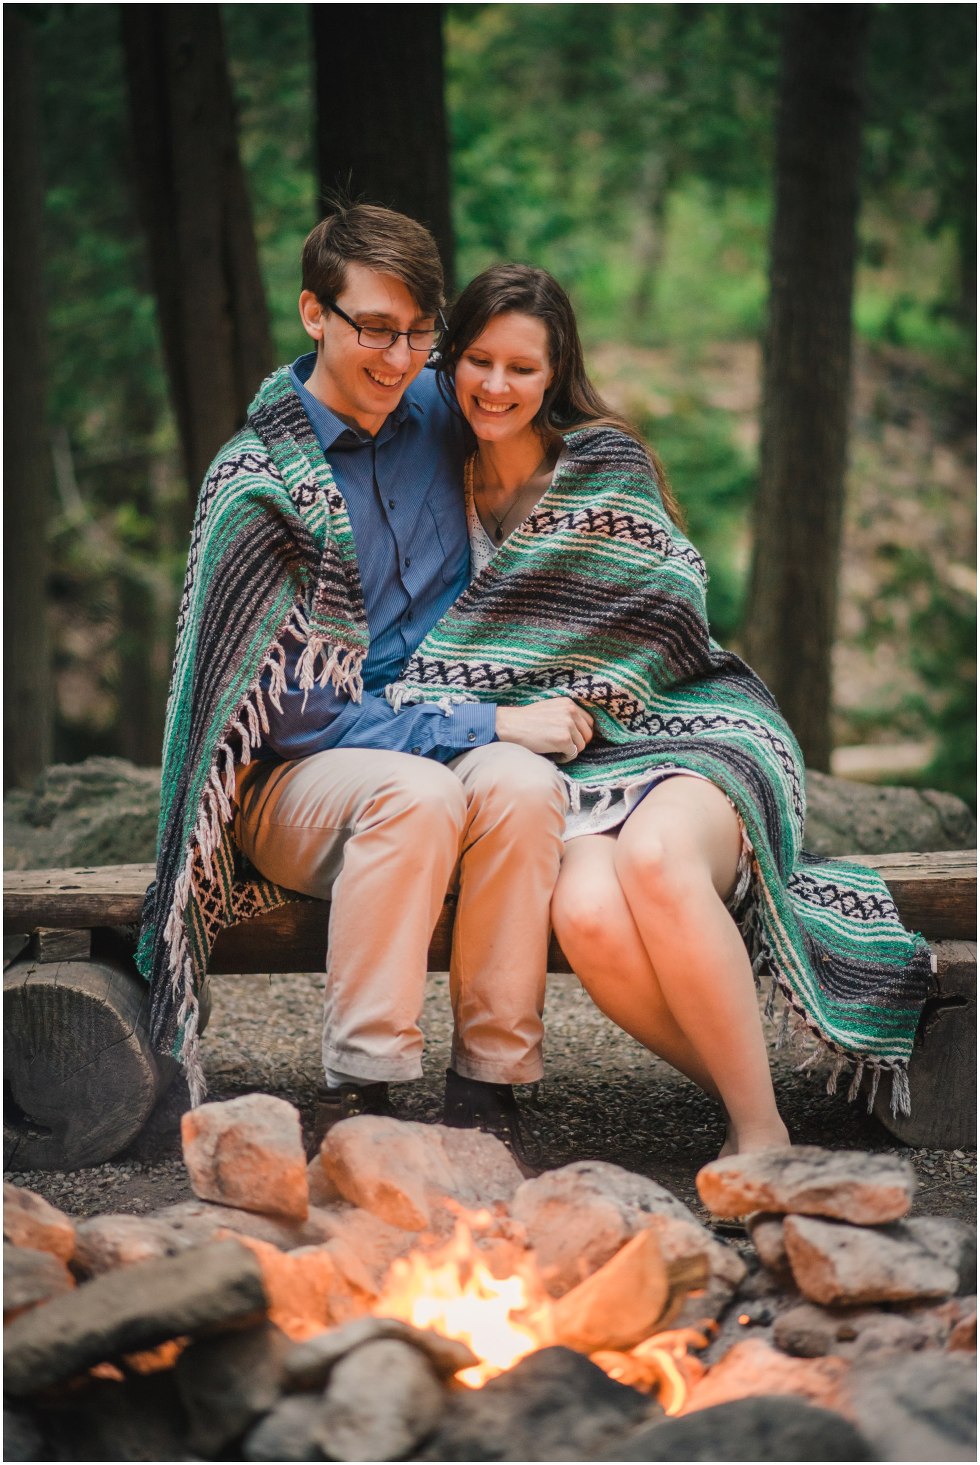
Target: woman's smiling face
<point x="502" y="376"/>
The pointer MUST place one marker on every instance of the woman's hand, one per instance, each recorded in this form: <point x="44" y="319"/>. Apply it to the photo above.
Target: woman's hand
<point x="556" y="726"/>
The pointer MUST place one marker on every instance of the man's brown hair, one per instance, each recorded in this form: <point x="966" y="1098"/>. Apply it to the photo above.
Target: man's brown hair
<point x="381" y="240"/>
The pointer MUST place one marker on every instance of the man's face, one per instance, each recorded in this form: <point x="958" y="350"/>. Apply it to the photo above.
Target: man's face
<point x="359" y="384"/>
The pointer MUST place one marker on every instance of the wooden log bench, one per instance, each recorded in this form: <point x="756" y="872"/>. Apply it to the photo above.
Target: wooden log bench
<point x="80" y="1077"/>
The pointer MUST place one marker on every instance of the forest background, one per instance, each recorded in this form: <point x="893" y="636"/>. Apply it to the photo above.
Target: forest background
<point x="631" y="150"/>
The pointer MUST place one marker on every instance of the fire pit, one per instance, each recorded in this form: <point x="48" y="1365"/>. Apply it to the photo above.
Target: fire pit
<point x="411" y="1295"/>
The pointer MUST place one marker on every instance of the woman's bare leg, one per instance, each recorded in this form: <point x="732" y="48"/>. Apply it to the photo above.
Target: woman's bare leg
<point x="597" y="933"/>
<point x="676" y="859"/>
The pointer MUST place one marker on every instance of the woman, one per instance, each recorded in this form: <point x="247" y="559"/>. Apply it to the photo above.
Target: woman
<point x="686" y="784"/>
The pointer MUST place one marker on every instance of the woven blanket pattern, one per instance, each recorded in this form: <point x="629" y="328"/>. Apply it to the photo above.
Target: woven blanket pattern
<point x="598" y="596"/>
<point x="272" y="556"/>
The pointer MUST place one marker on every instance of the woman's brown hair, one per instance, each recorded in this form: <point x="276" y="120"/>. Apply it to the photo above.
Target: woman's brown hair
<point x="571" y="401"/>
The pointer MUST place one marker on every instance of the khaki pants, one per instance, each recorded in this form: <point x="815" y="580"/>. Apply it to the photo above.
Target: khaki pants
<point x="384" y="836"/>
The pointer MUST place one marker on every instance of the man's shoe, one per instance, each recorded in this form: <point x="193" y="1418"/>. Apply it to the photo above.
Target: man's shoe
<point x="472" y="1104"/>
<point x="345" y="1102"/>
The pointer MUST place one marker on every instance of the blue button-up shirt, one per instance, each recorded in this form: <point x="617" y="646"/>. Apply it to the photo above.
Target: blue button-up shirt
<point x="403" y="490"/>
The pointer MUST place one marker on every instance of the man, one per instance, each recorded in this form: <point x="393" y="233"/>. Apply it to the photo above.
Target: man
<point x="343" y="496"/>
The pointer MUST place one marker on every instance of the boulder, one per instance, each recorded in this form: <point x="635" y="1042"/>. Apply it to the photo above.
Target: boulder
<point x="305" y="1289"/>
<point x="623" y="1302"/>
<point x="248" y="1153"/>
<point x="953" y="1242"/>
<point x="553" y="1405"/>
<point x="845" y="817"/>
<point x="310" y="1364"/>
<point x="834" y="1263"/>
<point x="288" y="1431"/>
<point x="137" y="1307"/>
<point x="200" y="1220"/>
<point x="412" y="1175"/>
<point x="30" y="1277"/>
<point x="577" y="1217"/>
<point x="227" y="1383"/>
<point x="922" y="1407"/>
<point x="752" y="1367"/>
<point x="809" y="1331"/>
<point x="766" y="1232"/>
<point x="759" y="1429"/>
<point x="381" y="1401"/>
<point x="111" y="1241"/>
<point x="848" y="1185"/>
<point x="29" y="1220"/>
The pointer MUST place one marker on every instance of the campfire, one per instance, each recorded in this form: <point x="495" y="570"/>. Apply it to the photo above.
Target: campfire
<point x="453" y="1291"/>
<point x="411" y="1294"/>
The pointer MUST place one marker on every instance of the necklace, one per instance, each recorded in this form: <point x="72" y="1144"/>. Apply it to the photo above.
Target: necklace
<point x="499" y="522"/>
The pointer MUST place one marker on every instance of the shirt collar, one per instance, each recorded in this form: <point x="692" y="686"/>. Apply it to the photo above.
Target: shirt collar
<point x="327" y="426"/>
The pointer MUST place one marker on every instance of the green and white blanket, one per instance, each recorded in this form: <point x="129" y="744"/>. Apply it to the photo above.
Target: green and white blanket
<point x="599" y="597"/>
<point x="272" y="556"/>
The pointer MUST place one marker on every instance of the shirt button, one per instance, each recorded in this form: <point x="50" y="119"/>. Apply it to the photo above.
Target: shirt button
<point x="471" y="737"/>
<point x="416" y="750"/>
<point x="408" y="561"/>
<point x="391" y="503"/>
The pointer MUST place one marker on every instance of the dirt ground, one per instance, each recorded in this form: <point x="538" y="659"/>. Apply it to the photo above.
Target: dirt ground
<point x="604" y="1097"/>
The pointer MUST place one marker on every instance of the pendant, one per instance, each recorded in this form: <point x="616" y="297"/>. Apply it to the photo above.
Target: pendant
<point x="498" y="534"/>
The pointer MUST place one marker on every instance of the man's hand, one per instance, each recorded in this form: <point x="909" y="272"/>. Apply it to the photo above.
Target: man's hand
<point x="556" y="726"/>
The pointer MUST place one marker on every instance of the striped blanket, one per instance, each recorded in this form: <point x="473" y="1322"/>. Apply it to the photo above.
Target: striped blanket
<point x="599" y="597"/>
<point x="272" y="556"/>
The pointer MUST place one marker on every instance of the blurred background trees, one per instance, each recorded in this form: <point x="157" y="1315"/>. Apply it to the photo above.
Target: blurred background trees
<point x="631" y="149"/>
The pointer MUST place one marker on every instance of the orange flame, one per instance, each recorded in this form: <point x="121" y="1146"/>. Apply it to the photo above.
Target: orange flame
<point x="454" y="1292"/>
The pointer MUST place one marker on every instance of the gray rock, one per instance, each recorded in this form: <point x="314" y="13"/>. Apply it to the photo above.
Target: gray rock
<point x="103" y="811"/>
<point x="30" y="1277"/>
<point x="227" y="1383"/>
<point x="310" y="1364"/>
<point x="847" y="1185"/>
<point x="761" y="1428"/>
<point x="28" y="1220"/>
<point x="953" y="1242"/>
<point x="923" y="1407"/>
<point x="106" y="1242"/>
<point x="834" y="1263"/>
<point x="131" y="1309"/>
<point x="248" y="1153"/>
<point x="846" y="817"/>
<point x="22" y="1439"/>
<point x="411" y="1175"/>
<point x="766" y="1232"/>
<point x="577" y="1217"/>
<point x="809" y="1331"/>
<point x="142" y="1421"/>
<point x="288" y="1432"/>
<point x="554" y="1405"/>
<point x="200" y="1219"/>
<point x="381" y="1402"/>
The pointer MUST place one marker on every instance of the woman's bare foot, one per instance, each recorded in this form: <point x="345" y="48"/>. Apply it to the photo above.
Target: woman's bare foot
<point x="771" y="1137"/>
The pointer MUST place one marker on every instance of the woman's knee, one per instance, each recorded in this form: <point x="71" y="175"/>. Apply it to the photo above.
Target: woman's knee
<point x="659" y="869"/>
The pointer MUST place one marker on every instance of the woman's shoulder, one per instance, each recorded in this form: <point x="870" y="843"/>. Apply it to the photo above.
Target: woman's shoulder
<point x="601" y="443"/>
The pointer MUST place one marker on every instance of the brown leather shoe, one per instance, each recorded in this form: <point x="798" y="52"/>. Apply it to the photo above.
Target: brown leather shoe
<point x="345" y="1102"/>
<point x="472" y="1104"/>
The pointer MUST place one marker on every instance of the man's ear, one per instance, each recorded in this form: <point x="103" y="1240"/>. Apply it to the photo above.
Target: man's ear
<point x="311" y="314"/>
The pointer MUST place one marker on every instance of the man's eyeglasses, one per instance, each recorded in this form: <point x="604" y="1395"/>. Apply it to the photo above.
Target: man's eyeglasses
<point x="379" y="338"/>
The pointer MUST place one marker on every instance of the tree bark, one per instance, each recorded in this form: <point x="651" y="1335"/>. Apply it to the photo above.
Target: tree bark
<point x="807" y="366"/>
<point x="195" y="212"/>
<point x="381" y="112"/>
<point x="28" y="694"/>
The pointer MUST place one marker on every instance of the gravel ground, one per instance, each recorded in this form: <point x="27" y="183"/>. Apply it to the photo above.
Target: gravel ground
<point x="604" y="1097"/>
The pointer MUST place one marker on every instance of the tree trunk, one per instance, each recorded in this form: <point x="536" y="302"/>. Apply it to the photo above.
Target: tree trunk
<point x="381" y="112"/>
<point x="28" y="699"/>
<point x="195" y="212"/>
<point x="807" y="366"/>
